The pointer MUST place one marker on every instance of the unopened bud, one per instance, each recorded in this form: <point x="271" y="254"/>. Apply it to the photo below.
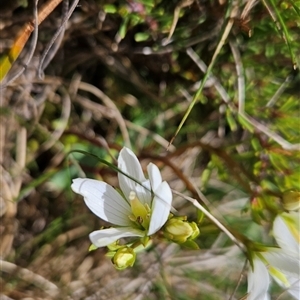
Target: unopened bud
<point x="178" y="230"/>
<point x="124" y="258"/>
<point x="291" y="200"/>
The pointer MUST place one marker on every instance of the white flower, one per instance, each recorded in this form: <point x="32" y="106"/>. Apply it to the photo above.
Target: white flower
<point x="286" y="232"/>
<point x="142" y="211"/>
<point x="258" y="281"/>
<point x="282" y="263"/>
<point x="285" y="262"/>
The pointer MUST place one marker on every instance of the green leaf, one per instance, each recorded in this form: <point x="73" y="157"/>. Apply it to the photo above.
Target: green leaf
<point x="231" y="120"/>
<point x="245" y="123"/>
<point x="256" y="144"/>
<point x="279" y="162"/>
<point x="200" y="216"/>
<point x="190" y="245"/>
<point x="141" y="36"/>
<point x="205" y="176"/>
<point x="109" y="8"/>
<point x="92" y="247"/>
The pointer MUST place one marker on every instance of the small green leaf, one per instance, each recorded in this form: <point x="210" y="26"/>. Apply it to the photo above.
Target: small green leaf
<point x="279" y="162"/>
<point x="256" y="144"/>
<point x="141" y="36"/>
<point x="245" y="123"/>
<point x="230" y="120"/>
<point x="206" y="175"/>
<point x="92" y="247"/>
<point x="123" y="29"/>
<point x="109" y="8"/>
<point x="190" y="245"/>
<point x="200" y="216"/>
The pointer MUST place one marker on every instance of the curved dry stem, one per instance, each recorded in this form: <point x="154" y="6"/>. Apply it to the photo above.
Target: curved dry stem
<point x="65" y="115"/>
<point x="57" y="36"/>
<point x="31" y="277"/>
<point x="109" y="103"/>
<point x="146" y="132"/>
<point x="240" y="279"/>
<point x="180" y="5"/>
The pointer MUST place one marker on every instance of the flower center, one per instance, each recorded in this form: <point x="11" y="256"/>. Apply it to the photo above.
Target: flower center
<point x="140" y="212"/>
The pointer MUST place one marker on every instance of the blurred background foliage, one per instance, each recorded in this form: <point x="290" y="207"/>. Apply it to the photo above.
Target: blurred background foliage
<point x="124" y="73"/>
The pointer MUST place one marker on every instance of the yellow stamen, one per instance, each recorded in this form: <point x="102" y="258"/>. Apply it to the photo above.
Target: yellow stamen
<point x="139" y="210"/>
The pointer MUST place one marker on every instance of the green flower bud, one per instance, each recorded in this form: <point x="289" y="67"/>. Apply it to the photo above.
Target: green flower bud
<point x="178" y="230"/>
<point x="291" y="200"/>
<point x="196" y="230"/>
<point x="124" y="258"/>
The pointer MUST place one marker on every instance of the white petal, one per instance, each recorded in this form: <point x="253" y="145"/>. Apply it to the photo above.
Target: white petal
<point x="294" y="289"/>
<point x="161" y="206"/>
<point x="278" y="258"/>
<point x="284" y="237"/>
<point x="258" y="281"/>
<point x="103" y="200"/>
<point x="104" y="237"/>
<point x="143" y="192"/>
<point x="154" y="176"/>
<point x="129" y="164"/>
